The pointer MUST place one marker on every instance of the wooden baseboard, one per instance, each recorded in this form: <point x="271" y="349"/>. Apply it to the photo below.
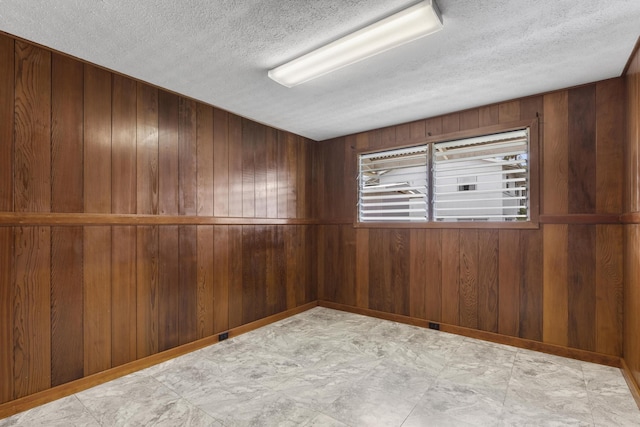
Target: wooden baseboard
<point x="631" y="382"/>
<point x="22" y="404"/>
<point x="586" y="356"/>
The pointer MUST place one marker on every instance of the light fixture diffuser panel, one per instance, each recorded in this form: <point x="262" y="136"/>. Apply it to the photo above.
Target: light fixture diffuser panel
<point x="403" y="27"/>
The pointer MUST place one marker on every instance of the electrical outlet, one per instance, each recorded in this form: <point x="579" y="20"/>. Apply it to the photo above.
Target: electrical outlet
<point x="223" y="336"/>
<point x="433" y="325"/>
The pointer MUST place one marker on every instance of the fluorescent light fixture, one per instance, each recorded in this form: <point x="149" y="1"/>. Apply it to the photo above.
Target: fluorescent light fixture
<point x="403" y="27"/>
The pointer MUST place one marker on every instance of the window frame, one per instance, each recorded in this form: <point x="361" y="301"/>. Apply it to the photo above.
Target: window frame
<point x="534" y="179"/>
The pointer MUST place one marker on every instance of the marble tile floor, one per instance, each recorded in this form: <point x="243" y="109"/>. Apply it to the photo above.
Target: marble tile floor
<point x="329" y="368"/>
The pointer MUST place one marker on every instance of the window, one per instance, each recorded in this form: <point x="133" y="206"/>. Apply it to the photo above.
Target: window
<point x="482" y="178"/>
<point x="393" y="185"/>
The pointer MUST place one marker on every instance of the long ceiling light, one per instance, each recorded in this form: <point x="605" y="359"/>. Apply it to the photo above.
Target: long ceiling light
<point x="410" y="24"/>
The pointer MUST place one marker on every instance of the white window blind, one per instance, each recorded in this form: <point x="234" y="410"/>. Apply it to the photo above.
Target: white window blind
<point x="482" y="179"/>
<point x="393" y="185"/>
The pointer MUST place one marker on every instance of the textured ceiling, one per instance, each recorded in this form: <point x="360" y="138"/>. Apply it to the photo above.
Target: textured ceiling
<point x="219" y="51"/>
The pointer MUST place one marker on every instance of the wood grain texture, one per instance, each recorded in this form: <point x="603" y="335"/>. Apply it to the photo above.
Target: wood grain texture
<point x="204" y="159"/>
<point x="582" y="149"/>
<point x="632" y="300"/>
<point x="283" y="182"/>
<point x="168" y="288"/>
<point x="451" y="276"/>
<point x="32" y="129"/>
<point x="489" y="115"/>
<point x="234" y="124"/>
<point x="469" y="278"/>
<point x="6" y="314"/>
<point x="292" y="171"/>
<point x="509" y="276"/>
<point x="235" y="275"/>
<point x="149" y="276"/>
<point x="582" y="286"/>
<point x="417" y="273"/>
<point x="290" y="253"/>
<point x="97" y="299"/>
<point x="67" y="167"/>
<point x="276" y="274"/>
<point x="167" y="155"/>
<point x="123" y="146"/>
<point x="188" y="292"/>
<point x="488" y="273"/>
<point x="556" y="284"/>
<point x="32" y="310"/>
<point x="362" y="268"/>
<point x="123" y="295"/>
<point x="260" y="171"/>
<point x="221" y="278"/>
<point x="148" y="150"/>
<point x="531" y="285"/>
<point x="253" y="273"/>
<point x="433" y="267"/>
<point x="609" y="289"/>
<point x="469" y="119"/>
<point x="187" y="160"/>
<point x="220" y="163"/>
<point x="271" y="165"/>
<point x="97" y="140"/>
<point x="248" y="169"/>
<point x="555" y="173"/>
<point x="7" y="105"/>
<point x="609" y="126"/>
<point x="205" y="295"/>
<point x="508" y="111"/>
<point x="67" y="357"/>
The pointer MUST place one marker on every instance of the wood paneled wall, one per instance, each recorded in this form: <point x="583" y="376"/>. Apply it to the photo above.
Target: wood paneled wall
<point x="632" y="226"/>
<point x="177" y="247"/>
<point x="559" y="284"/>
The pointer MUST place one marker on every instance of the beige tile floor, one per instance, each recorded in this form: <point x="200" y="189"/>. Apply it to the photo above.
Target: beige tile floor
<point x="329" y="368"/>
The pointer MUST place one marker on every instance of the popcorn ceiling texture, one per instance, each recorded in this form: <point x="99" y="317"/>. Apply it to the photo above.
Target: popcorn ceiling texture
<point x="219" y="51"/>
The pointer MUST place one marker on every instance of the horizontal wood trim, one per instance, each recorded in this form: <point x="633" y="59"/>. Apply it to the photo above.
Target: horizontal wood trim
<point x="19" y="405"/>
<point x="633" y="385"/>
<point x="451" y="225"/>
<point x="587" y="356"/>
<point x="630" y="218"/>
<point x="580" y="219"/>
<point x="79" y="219"/>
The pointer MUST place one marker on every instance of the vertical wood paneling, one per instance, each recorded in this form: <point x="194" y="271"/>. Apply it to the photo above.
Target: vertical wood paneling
<point x="531" y="285"/>
<point x="531" y="107"/>
<point x="609" y="126"/>
<point x="66" y="135"/>
<point x="235" y="165"/>
<point x="168" y="288"/>
<point x="248" y="169"/>
<point x="123" y="295"/>
<point x="555" y="284"/>
<point x="123" y="146"/>
<point x="253" y="273"/>
<point x="235" y="275"/>
<point x="32" y="128"/>
<point x="609" y="289"/>
<point x="97" y="299"/>
<point x="221" y="278"/>
<point x="204" y="158"/>
<point x="6" y="313"/>
<point x="451" y="123"/>
<point x="292" y="172"/>
<point x="451" y="276"/>
<point x="433" y="267"/>
<point x="283" y="182"/>
<point x="509" y="111"/>
<point x="167" y="153"/>
<point x="509" y="278"/>
<point x="276" y="271"/>
<point x="205" y="298"/>
<point x="582" y="149"/>
<point x="97" y="140"/>
<point x="7" y="104"/>
<point x="32" y="310"/>
<point x="488" y="116"/>
<point x="149" y="293"/>
<point x="632" y="299"/>
<point x="187" y="162"/>
<point x="362" y="268"/>
<point x="582" y="285"/>
<point x="271" y="137"/>
<point x="488" y="252"/>
<point x="417" y="273"/>
<point x="187" y="319"/>
<point x="67" y="357"/>
<point x="290" y="236"/>
<point x="469" y="278"/>
<point x="220" y="163"/>
<point x="469" y="119"/>
<point x="555" y="157"/>
<point x="260" y="174"/>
